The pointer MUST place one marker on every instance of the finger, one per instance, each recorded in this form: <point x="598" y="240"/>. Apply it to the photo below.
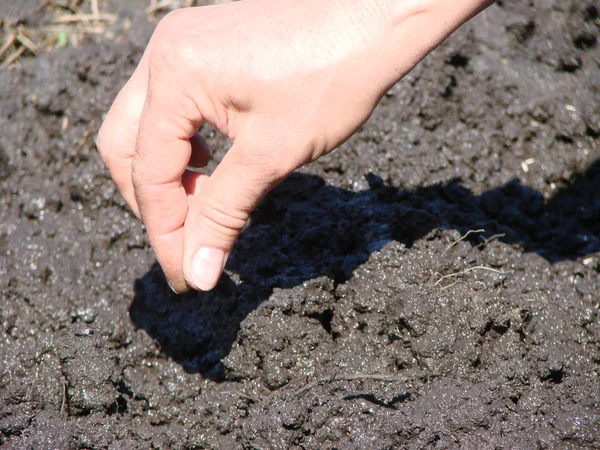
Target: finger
<point x="168" y="121"/>
<point x="200" y="151"/>
<point x="220" y="211"/>
<point x="118" y="134"/>
<point x="193" y="182"/>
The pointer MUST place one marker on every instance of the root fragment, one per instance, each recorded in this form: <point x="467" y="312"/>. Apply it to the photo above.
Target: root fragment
<point x="464" y="236"/>
<point x="351" y="377"/>
<point x="464" y="272"/>
<point x="490" y="239"/>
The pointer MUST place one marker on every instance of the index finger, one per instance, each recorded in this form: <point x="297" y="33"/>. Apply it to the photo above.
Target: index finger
<point x="168" y="120"/>
<point x="118" y="135"/>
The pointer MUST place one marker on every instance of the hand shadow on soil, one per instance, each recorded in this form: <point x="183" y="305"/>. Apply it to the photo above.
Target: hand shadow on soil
<point x="306" y="229"/>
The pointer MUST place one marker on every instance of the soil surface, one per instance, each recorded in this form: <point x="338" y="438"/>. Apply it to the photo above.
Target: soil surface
<point x="352" y="314"/>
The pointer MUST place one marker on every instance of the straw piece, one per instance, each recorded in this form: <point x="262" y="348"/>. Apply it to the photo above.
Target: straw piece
<point x="10" y="41"/>
<point x="28" y="43"/>
<point x="72" y="18"/>
<point x="13" y="56"/>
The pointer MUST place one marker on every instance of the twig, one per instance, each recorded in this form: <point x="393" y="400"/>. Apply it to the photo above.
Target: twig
<point x="28" y="43"/>
<point x="64" y="397"/>
<point x="13" y="56"/>
<point x="241" y="394"/>
<point x="95" y="8"/>
<point x="71" y="18"/>
<point x="463" y="237"/>
<point x="56" y="28"/>
<point x="463" y="272"/>
<point x="80" y="145"/>
<point x="371" y="376"/>
<point x="158" y="5"/>
<point x="448" y="286"/>
<point x="490" y="239"/>
<point x="10" y="41"/>
<point x="350" y="377"/>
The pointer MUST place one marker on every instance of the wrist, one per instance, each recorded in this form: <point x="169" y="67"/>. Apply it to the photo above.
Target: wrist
<point x="416" y="27"/>
<point x="449" y="14"/>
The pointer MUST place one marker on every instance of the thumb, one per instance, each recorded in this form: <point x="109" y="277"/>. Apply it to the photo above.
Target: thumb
<point x="219" y="212"/>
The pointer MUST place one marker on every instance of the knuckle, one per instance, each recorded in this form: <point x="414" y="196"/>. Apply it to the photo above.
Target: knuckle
<point x="102" y="138"/>
<point x="164" y="47"/>
<point x="263" y="166"/>
<point x="223" y="222"/>
<point x="170" y="43"/>
<point x="139" y="172"/>
<point x="104" y="144"/>
<point x="168" y="25"/>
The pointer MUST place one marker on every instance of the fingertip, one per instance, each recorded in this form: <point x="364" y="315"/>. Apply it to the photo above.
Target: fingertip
<point x="200" y="155"/>
<point x="193" y="182"/>
<point x="206" y="267"/>
<point x="181" y="290"/>
<point x="218" y="215"/>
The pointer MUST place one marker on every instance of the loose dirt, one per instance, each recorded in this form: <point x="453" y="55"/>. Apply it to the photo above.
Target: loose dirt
<point x="434" y="283"/>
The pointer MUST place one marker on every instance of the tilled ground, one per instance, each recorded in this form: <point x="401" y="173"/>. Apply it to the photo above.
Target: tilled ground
<point x="352" y="314"/>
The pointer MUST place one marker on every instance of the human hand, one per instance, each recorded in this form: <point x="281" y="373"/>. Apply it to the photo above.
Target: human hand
<point x="285" y="81"/>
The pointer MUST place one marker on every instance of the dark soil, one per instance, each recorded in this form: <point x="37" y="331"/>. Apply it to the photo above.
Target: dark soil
<point x="351" y="316"/>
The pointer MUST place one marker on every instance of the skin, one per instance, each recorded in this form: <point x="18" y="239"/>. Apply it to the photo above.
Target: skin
<point x="286" y="81"/>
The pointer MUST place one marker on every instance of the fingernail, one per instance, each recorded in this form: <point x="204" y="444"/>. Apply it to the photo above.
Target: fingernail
<point x="172" y="288"/>
<point x="207" y="266"/>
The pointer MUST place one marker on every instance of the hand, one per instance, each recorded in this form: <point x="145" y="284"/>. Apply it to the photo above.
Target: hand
<point x="286" y="81"/>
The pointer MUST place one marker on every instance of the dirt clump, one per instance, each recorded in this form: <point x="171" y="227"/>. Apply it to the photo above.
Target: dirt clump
<point x="435" y="283"/>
